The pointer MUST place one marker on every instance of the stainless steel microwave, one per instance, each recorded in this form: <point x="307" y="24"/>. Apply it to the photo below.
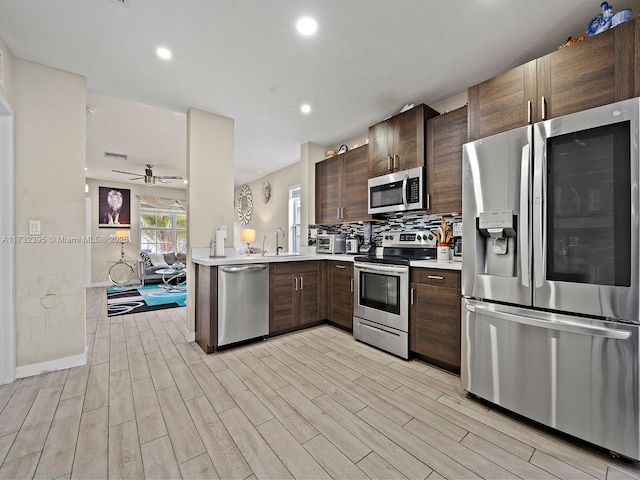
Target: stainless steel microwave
<point x="398" y="192"/>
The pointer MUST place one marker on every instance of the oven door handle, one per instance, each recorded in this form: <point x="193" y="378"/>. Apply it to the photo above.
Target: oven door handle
<point x="381" y="269"/>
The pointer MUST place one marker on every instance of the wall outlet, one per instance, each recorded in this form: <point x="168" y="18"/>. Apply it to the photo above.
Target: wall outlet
<point x="34" y="227"/>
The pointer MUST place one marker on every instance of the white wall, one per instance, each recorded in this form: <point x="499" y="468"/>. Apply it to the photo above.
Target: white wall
<point x="102" y="254"/>
<point x="210" y="168"/>
<point x="7" y="89"/>
<point x="49" y="187"/>
<point x="267" y="217"/>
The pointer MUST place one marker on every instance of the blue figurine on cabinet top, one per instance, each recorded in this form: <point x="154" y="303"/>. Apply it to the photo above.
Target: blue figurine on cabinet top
<point x="602" y="21"/>
<point x="607" y="19"/>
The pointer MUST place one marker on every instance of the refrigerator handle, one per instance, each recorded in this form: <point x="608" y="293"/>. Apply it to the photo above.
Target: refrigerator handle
<point x="561" y="326"/>
<point x="524" y="214"/>
<point x="538" y="212"/>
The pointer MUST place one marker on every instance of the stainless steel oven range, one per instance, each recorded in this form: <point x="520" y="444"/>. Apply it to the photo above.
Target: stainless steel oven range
<point x="381" y="293"/>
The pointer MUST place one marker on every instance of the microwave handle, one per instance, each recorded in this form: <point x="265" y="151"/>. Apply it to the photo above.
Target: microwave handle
<point x="404" y="189"/>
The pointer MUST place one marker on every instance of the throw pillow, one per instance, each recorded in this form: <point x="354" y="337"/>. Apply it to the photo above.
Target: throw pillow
<point x="181" y="257"/>
<point x="145" y="258"/>
<point x="170" y="258"/>
<point x="157" y="260"/>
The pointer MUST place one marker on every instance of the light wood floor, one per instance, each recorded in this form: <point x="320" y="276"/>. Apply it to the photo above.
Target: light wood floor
<point x="313" y="404"/>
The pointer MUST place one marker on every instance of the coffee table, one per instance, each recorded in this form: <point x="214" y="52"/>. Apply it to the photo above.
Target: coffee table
<point x="172" y="275"/>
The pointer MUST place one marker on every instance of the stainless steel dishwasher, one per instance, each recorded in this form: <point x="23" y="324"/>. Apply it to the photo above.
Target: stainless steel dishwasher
<point x="243" y="302"/>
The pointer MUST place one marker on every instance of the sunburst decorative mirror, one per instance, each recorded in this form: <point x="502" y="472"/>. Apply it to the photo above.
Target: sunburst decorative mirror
<point x="265" y="191"/>
<point x="245" y="205"/>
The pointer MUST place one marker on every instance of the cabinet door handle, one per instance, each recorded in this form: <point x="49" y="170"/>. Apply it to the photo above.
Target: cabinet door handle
<point x="428" y="198"/>
<point x="352" y="285"/>
<point x="395" y="166"/>
<point x="435" y="277"/>
<point x="389" y="160"/>
<point x="301" y="284"/>
<point x="296" y="281"/>
<point x="543" y="102"/>
<point x="341" y="266"/>
<point x="338" y="213"/>
<point x="412" y="295"/>
<point x="341" y="213"/>
<point x="529" y="107"/>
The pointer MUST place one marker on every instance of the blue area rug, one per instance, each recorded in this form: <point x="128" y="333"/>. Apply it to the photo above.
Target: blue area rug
<point x="126" y="300"/>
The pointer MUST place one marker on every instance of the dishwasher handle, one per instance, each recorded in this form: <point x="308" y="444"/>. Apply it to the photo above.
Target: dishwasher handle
<point x="242" y="268"/>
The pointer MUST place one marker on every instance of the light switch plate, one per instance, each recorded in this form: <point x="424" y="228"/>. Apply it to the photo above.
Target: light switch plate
<point x="34" y="227"/>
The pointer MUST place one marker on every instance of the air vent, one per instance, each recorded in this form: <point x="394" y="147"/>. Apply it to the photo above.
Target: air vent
<point x="1" y="69"/>
<point x="119" y="156"/>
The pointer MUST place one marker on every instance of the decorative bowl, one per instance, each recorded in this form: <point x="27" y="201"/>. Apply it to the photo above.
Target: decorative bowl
<point x="621" y="17"/>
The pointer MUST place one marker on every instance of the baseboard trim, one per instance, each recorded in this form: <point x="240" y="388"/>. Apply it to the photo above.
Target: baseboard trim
<point x="51" y="365"/>
<point x="189" y="336"/>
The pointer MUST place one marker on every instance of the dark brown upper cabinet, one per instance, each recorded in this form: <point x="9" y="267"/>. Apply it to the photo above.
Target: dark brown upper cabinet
<point x="341" y="187"/>
<point x="588" y="74"/>
<point x="398" y="143"/>
<point x="446" y="134"/>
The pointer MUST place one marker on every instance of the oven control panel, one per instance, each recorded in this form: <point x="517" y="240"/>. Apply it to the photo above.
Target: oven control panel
<point x="418" y="238"/>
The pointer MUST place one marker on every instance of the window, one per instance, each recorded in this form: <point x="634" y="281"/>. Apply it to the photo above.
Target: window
<point x="294" y="218"/>
<point x="163" y="229"/>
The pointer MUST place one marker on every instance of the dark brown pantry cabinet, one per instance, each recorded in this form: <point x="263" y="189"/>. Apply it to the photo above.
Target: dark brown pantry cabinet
<point x="434" y="316"/>
<point x="594" y="72"/>
<point x="295" y="290"/>
<point x="341" y="187"/>
<point x="340" y="293"/>
<point x="398" y="143"/>
<point x="446" y="134"/>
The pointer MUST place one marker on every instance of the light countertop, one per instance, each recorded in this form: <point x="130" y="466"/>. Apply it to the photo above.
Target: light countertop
<point x="201" y="257"/>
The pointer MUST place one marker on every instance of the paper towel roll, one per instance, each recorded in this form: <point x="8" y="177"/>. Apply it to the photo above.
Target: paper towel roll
<point x="219" y="243"/>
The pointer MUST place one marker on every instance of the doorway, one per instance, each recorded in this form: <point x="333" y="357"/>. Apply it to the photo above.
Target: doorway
<point x="7" y="249"/>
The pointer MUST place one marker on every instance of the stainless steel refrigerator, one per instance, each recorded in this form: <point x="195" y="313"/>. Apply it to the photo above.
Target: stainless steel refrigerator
<point x="550" y="308"/>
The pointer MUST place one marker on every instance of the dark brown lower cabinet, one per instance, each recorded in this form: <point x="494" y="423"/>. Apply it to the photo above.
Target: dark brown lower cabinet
<point x="206" y="310"/>
<point x="434" y="330"/>
<point x="340" y="294"/>
<point x="295" y="295"/>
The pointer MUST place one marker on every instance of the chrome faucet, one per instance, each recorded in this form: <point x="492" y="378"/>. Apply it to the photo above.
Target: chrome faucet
<point x="278" y="247"/>
<point x="263" y="240"/>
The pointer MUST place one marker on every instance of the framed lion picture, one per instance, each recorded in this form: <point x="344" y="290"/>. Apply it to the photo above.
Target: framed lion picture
<point x="114" y="208"/>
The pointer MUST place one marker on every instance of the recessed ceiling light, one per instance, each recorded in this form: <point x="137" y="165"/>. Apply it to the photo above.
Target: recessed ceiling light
<point x="306" y="108"/>
<point x="185" y="181"/>
<point x="164" y="53"/>
<point x="307" y="26"/>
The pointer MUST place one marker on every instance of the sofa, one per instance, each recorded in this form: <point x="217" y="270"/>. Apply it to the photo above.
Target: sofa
<point x="150" y="262"/>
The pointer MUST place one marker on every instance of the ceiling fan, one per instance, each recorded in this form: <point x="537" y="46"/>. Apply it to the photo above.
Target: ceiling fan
<point x="149" y="177"/>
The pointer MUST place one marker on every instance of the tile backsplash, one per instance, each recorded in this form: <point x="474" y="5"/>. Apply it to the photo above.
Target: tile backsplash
<point x="388" y="223"/>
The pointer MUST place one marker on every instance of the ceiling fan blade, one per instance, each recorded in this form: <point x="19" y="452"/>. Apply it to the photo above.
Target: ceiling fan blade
<point x="126" y="173"/>
<point x="169" y="177"/>
<point x="161" y="180"/>
<point x="136" y="178"/>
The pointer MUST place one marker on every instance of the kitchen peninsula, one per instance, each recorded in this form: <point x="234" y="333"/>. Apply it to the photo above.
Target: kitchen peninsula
<point x="302" y="288"/>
